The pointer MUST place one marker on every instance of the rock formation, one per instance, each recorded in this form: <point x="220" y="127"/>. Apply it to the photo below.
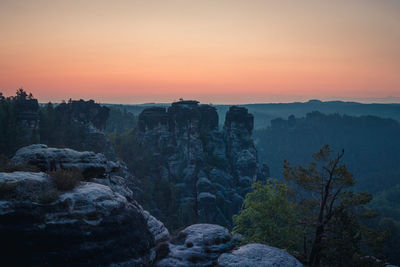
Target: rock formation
<point x="212" y="169"/>
<point x="257" y="255"/>
<point x="92" y="224"/>
<point x="99" y="222"/>
<point x="197" y="245"/>
<point x="213" y="245"/>
<point x="94" y="116"/>
<point x="92" y="165"/>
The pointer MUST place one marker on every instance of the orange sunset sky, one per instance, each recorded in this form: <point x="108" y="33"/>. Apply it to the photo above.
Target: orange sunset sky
<point x="214" y="51"/>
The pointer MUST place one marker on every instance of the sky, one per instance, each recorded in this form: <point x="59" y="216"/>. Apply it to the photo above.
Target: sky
<point x="215" y="51"/>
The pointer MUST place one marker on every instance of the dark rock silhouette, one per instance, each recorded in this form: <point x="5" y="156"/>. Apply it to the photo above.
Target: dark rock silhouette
<point x="212" y="169"/>
<point x="28" y="119"/>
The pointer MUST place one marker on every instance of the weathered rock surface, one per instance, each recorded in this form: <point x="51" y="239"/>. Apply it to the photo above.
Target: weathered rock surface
<point x="91" y="225"/>
<point x="157" y="228"/>
<point x="99" y="222"/>
<point x="211" y="245"/>
<point x="97" y="217"/>
<point x="258" y="255"/>
<point x="95" y="225"/>
<point x="198" y="245"/>
<point x="46" y="158"/>
<point x="212" y="169"/>
<point x="92" y="165"/>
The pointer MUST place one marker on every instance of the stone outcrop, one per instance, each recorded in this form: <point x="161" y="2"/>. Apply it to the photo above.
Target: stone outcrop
<point x="92" y="165"/>
<point x="90" y="225"/>
<point x="93" y="225"/>
<point x="99" y="223"/>
<point x="212" y="169"/>
<point x="197" y="245"/>
<point x="258" y="255"/>
<point x="213" y="245"/>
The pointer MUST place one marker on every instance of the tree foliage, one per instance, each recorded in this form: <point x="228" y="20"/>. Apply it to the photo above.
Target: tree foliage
<point x="23" y="122"/>
<point x="333" y="214"/>
<point x="315" y="213"/>
<point x="387" y="202"/>
<point x="269" y="217"/>
<point x="13" y="111"/>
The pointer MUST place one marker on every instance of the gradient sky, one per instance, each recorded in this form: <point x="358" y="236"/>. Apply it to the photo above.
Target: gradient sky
<point x="214" y="51"/>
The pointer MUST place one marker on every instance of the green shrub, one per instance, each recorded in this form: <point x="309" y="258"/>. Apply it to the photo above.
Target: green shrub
<point x="269" y="217"/>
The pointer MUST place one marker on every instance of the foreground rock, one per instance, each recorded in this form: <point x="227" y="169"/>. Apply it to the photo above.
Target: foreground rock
<point x="94" y="225"/>
<point x="89" y="225"/>
<point x="258" y="255"/>
<point x="93" y="166"/>
<point x="198" y="245"/>
<point x="98" y="222"/>
<point x="50" y="158"/>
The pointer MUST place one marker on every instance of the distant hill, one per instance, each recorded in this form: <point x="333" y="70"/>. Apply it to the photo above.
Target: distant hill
<point x="264" y="113"/>
<point x="371" y="144"/>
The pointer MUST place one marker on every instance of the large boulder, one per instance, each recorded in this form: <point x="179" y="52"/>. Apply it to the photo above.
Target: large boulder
<point x="50" y="158"/>
<point x="198" y="245"/>
<point x="94" y="166"/>
<point x="156" y="228"/>
<point x="90" y="225"/>
<point x="258" y="255"/>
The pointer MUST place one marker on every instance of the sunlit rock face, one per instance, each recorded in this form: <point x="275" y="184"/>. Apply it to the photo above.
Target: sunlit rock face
<point x="212" y="169"/>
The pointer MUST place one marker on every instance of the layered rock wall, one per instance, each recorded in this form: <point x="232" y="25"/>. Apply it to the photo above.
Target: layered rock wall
<point x="212" y="169"/>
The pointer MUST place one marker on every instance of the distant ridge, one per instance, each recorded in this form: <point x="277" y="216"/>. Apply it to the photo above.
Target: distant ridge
<point x="265" y="112"/>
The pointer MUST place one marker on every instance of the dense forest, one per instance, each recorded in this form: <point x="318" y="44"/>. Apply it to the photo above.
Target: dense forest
<point x="372" y="154"/>
<point x="24" y="121"/>
<point x="371" y="143"/>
